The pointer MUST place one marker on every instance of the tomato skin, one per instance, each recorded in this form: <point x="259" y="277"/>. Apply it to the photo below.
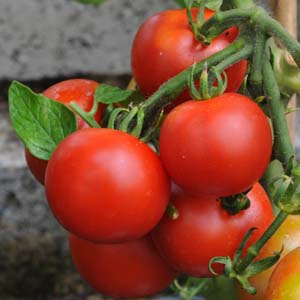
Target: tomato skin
<point x="288" y="237"/>
<point x="204" y="230"/>
<point x="107" y="186"/>
<point x="220" y="146"/>
<point x="284" y="283"/>
<point x="80" y="91"/>
<point x="36" y="166"/>
<point x="131" y="269"/>
<point x="165" y="45"/>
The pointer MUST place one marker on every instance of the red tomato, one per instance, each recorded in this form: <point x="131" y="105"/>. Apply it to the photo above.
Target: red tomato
<point x="36" y="166"/>
<point x="288" y="237"/>
<point x="165" y="45"/>
<point x="105" y="185"/>
<point x="220" y="146"/>
<point x="204" y="230"/>
<point x="284" y="283"/>
<point x="132" y="269"/>
<point x="80" y="91"/>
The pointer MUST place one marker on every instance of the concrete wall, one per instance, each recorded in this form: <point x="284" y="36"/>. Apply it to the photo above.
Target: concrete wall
<point x="41" y="38"/>
<point x="62" y="37"/>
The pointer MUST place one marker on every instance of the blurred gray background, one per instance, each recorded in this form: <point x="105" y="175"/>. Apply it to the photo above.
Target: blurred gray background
<point x="42" y="42"/>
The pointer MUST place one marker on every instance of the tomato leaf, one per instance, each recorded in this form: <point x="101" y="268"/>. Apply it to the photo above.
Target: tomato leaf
<point x="90" y="1"/>
<point x="41" y="123"/>
<point x="211" y="4"/>
<point x="108" y="94"/>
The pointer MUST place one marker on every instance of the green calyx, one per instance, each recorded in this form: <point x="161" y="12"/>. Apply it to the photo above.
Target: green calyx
<point x="241" y="268"/>
<point x="287" y="194"/>
<point x="206" y="90"/>
<point x="236" y="203"/>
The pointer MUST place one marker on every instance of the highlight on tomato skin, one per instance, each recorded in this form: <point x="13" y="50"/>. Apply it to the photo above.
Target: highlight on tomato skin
<point x="204" y="230"/>
<point x="127" y="270"/>
<point x="284" y="283"/>
<point x="106" y="186"/>
<point x="165" y="45"/>
<point x="220" y="146"/>
<point x="81" y="91"/>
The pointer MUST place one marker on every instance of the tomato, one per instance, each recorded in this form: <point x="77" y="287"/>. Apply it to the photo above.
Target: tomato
<point x="284" y="283"/>
<point x="288" y="237"/>
<point x="80" y="91"/>
<point x="165" y="45"/>
<point x="131" y="269"/>
<point x="36" y="166"/>
<point x="105" y="185"/>
<point x="204" y="230"/>
<point x="220" y="146"/>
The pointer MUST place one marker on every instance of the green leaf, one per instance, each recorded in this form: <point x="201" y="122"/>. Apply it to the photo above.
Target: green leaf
<point x="108" y="94"/>
<point x="211" y="4"/>
<point x="41" y="123"/>
<point x="91" y="1"/>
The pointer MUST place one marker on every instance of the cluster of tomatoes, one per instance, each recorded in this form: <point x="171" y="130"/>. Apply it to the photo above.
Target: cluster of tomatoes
<point x="111" y="191"/>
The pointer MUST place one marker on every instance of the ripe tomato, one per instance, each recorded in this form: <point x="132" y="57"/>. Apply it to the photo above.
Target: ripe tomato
<point x="80" y="91"/>
<point x="105" y="185"/>
<point x="284" y="283"/>
<point x="220" y="146"/>
<point x="204" y="230"/>
<point x="165" y="45"/>
<point x="131" y="269"/>
<point x="288" y="237"/>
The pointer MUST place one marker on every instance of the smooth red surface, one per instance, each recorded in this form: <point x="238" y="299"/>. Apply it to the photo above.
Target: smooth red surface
<point x="36" y="166"/>
<point x="165" y="45"/>
<point x="132" y="269"/>
<point x="105" y="185"/>
<point x="219" y="146"/>
<point x="204" y="230"/>
<point x="80" y="91"/>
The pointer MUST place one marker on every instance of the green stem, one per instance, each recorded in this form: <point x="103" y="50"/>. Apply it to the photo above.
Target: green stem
<point x="170" y="89"/>
<point x="221" y="21"/>
<point x="88" y="118"/>
<point x="229" y="4"/>
<point x="253" y="251"/>
<point x="257" y="17"/>
<point x="230" y="60"/>
<point x="283" y="147"/>
<point x="275" y="29"/>
<point x="256" y="77"/>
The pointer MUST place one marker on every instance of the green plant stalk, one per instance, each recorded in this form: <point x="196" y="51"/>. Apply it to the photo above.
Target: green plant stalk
<point x="228" y="61"/>
<point x="88" y="118"/>
<point x="256" y="77"/>
<point x="283" y="148"/>
<point x="257" y="17"/>
<point x="254" y="250"/>
<point x="228" y="4"/>
<point x="171" y="89"/>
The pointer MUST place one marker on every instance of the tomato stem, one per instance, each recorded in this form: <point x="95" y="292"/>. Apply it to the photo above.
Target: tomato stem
<point x="256" y="77"/>
<point x="86" y="116"/>
<point x="229" y="4"/>
<point x="255" y="16"/>
<point x="253" y="250"/>
<point x="283" y="147"/>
